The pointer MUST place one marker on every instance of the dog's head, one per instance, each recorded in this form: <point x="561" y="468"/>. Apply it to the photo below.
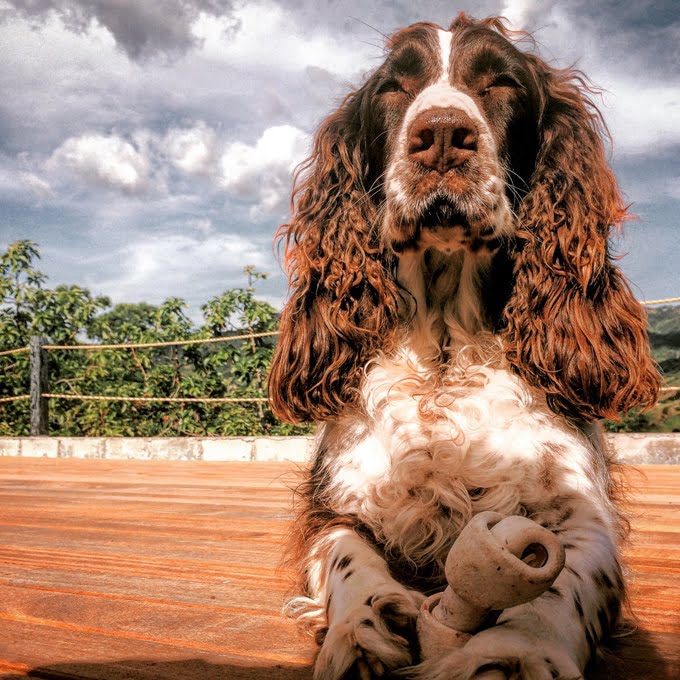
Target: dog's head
<point x="460" y="141"/>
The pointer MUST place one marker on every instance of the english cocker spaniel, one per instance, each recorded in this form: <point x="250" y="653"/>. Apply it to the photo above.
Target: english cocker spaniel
<point x="457" y="326"/>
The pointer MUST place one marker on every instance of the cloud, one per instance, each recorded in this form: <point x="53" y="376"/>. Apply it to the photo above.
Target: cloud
<point x="38" y="186"/>
<point x="189" y="265"/>
<point x="262" y="172"/>
<point x="106" y="160"/>
<point x="191" y="114"/>
<point x="516" y="12"/>
<point x="141" y="29"/>
<point x="642" y="116"/>
<point x="191" y="150"/>
<point x="271" y="37"/>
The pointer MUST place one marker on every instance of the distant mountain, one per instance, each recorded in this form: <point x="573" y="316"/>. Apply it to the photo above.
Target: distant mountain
<point x="664" y="336"/>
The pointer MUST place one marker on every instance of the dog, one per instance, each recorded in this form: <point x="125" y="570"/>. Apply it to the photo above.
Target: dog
<point x="457" y="326"/>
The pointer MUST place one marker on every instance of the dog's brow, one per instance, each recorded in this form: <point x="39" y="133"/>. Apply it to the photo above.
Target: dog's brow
<point x="491" y="60"/>
<point x="408" y="62"/>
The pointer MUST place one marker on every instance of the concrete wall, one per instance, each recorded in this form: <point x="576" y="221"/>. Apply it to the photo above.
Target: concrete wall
<point x="632" y="448"/>
<point x="170" y="448"/>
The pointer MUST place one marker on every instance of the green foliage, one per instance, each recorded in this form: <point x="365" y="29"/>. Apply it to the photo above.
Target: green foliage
<point x="69" y="315"/>
<point x="664" y="335"/>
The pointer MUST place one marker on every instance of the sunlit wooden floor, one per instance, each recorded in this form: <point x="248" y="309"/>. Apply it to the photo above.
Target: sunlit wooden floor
<point x="113" y="570"/>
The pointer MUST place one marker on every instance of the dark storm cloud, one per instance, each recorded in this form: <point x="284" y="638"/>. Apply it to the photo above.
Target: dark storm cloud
<point x="142" y="29"/>
<point x="132" y="132"/>
<point x="645" y="33"/>
<point x="381" y="17"/>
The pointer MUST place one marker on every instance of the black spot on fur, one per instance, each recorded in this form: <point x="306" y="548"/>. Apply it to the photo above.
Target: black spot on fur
<point x="369" y="601"/>
<point x="591" y="639"/>
<point x="579" y="606"/>
<point x="602" y="580"/>
<point x="614" y="607"/>
<point x="368" y="623"/>
<point x="554" y="673"/>
<point x="568" y="546"/>
<point x="568" y="512"/>
<point x="348" y="574"/>
<point x="618" y="578"/>
<point x="573" y="571"/>
<point x="554" y="591"/>
<point x="603" y="619"/>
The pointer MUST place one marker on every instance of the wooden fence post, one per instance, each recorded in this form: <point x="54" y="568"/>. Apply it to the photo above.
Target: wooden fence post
<point x="39" y="414"/>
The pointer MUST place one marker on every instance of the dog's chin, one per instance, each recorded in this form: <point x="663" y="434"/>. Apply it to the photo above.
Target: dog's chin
<point x="443" y="214"/>
<point x="444" y="227"/>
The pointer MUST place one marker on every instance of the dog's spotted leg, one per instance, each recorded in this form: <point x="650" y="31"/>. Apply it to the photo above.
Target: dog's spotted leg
<point x="370" y="616"/>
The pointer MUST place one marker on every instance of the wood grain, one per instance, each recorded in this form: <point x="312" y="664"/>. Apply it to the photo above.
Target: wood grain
<point x="170" y="569"/>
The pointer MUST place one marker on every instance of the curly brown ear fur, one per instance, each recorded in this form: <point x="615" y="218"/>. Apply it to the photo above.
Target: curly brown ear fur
<point x="574" y="329"/>
<point x="343" y="306"/>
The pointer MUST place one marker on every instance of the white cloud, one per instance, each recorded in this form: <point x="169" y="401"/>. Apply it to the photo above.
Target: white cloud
<point x="141" y="29"/>
<point x="516" y="12"/>
<point x="38" y="186"/>
<point x="189" y="265"/>
<point x="269" y="36"/>
<point x="262" y="172"/>
<point x="191" y="150"/>
<point x="109" y="161"/>
<point x="642" y="116"/>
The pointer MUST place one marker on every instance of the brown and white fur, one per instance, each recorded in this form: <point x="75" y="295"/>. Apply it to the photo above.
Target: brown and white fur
<point x="457" y="327"/>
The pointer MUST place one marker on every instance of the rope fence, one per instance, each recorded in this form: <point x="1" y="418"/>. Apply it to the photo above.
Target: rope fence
<point x="207" y="341"/>
<point x="18" y="397"/>
<point x="663" y="301"/>
<point x="170" y="400"/>
<point x="19" y="350"/>
<point x="168" y="343"/>
<point x="39" y="395"/>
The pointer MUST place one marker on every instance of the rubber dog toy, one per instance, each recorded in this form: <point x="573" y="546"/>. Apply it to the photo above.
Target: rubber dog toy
<point x="496" y="562"/>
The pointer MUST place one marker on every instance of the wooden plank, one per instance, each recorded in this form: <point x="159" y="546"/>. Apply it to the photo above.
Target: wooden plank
<point x="169" y="570"/>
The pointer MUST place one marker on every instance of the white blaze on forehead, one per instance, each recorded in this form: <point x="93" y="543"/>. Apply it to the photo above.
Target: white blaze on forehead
<point x="445" y="38"/>
<point x="442" y="94"/>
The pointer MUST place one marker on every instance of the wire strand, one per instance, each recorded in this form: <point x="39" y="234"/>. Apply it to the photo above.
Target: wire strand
<point x="662" y="301"/>
<point x="169" y="343"/>
<point x="19" y="350"/>
<point x="207" y="400"/>
<point x="19" y="397"/>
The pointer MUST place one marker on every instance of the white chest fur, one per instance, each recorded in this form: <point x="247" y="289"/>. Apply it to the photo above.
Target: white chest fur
<point x="442" y="445"/>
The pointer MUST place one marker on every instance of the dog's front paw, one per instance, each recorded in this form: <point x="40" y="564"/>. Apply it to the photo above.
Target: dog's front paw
<point x="501" y="653"/>
<point x="373" y="640"/>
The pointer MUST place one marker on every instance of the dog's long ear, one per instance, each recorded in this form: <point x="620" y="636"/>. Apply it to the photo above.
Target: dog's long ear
<point x="343" y="303"/>
<point x="574" y="328"/>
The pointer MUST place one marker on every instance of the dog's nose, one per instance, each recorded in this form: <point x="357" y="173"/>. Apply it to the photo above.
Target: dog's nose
<point x="442" y="139"/>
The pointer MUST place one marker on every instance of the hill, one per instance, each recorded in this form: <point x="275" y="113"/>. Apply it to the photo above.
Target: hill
<point x="664" y="336"/>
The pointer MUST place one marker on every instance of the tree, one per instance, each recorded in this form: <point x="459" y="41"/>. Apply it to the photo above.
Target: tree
<point x="69" y="315"/>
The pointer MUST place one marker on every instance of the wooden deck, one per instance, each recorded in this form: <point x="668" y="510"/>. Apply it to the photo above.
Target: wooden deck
<point x="113" y="570"/>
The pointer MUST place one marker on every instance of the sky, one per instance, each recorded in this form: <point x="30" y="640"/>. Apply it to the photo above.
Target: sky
<point x="148" y="147"/>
